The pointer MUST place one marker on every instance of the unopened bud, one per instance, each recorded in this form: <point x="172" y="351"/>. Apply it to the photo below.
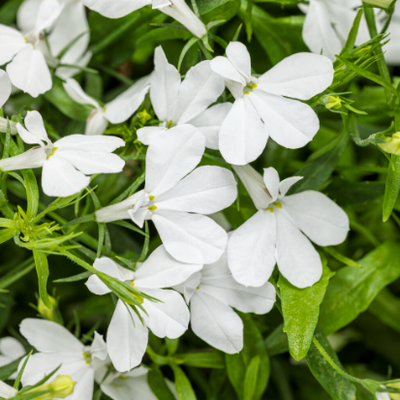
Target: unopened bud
<point x="392" y="144"/>
<point x="144" y="116"/>
<point x="379" y="3"/>
<point x="59" y="388"/>
<point x="52" y="315"/>
<point x="332" y="102"/>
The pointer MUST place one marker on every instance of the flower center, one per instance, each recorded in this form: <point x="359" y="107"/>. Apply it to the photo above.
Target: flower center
<point x="53" y="150"/>
<point x="249" y="87"/>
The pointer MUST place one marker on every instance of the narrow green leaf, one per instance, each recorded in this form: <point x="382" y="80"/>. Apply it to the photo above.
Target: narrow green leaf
<point x="7" y="370"/>
<point x="300" y="308"/>
<point x="42" y="269"/>
<point x="129" y="226"/>
<point x="21" y="371"/>
<point x="386" y="307"/>
<point x="32" y="193"/>
<point x="392" y="187"/>
<point x="351" y="39"/>
<point x="185" y="49"/>
<point x="6" y="235"/>
<point x="182" y="384"/>
<point x="158" y="386"/>
<point x="277" y="341"/>
<point x="352" y="290"/>
<point x="236" y="370"/>
<point x="250" y="379"/>
<point x="209" y="359"/>
<point x="16" y="274"/>
<point x="74" y="278"/>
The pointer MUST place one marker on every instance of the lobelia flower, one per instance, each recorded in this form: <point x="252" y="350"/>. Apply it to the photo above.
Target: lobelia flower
<point x="277" y="231"/>
<point x="262" y="107"/>
<point x="177" y="9"/>
<point x="70" y="27"/>
<point x="116" y="111"/>
<point x="177" y="103"/>
<point x="126" y="336"/>
<point x="5" y="92"/>
<point x="175" y="198"/>
<point x="6" y="391"/>
<point x="212" y="294"/>
<point x="27" y="67"/>
<point x="10" y="350"/>
<point x="67" y="161"/>
<point x="55" y="346"/>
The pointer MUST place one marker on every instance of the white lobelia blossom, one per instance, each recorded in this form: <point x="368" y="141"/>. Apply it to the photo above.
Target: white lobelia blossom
<point x="57" y="346"/>
<point x="262" y="106"/>
<point x="10" y="350"/>
<point x="70" y="28"/>
<point x="67" y="161"/>
<point x="277" y="231"/>
<point x="6" y="391"/>
<point x="27" y="65"/>
<point x="212" y="294"/>
<point x="176" y="199"/>
<point x="126" y="336"/>
<point x="177" y="9"/>
<point x="5" y="92"/>
<point x="187" y="102"/>
<point x="116" y="111"/>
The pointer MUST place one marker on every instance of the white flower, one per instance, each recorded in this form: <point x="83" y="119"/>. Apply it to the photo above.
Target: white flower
<point x="127" y="337"/>
<point x="176" y="9"/>
<point x="262" y="107"/>
<point x="27" y="66"/>
<point x="277" y="231"/>
<point x="5" y="92"/>
<point x="55" y="346"/>
<point x="71" y="24"/>
<point x="10" y="350"/>
<point x="116" y="111"/>
<point x="177" y="103"/>
<point x="175" y="198"/>
<point x="212" y="294"/>
<point x="67" y="161"/>
<point x="7" y="391"/>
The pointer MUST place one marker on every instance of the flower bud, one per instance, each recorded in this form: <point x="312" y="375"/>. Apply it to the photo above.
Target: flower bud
<point x="332" y="102"/>
<point x="60" y="388"/>
<point x="144" y="116"/>
<point x="392" y="144"/>
<point x="379" y="3"/>
<point x="45" y="312"/>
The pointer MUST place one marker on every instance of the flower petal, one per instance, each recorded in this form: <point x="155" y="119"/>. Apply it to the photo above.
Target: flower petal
<point x="287" y="183"/>
<point x="11" y="42"/>
<point x="96" y="123"/>
<point x="77" y="94"/>
<point x="49" y="337"/>
<point x="34" y="124"/>
<point x="90" y="143"/>
<point x="297" y="259"/>
<point x="223" y="67"/>
<point x="302" y="76"/>
<point x="321" y="219"/>
<point x="168" y="318"/>
<point x="243" y="136"/>
<point x="11" y="348"/>
<point x="290" y="123"/>
<point x="271" y="180"/>
<point x="161" y="270"/>
<point x="151" y="134"/>
<point x="190" y="238"/>
<point x="251" y="249"/>
<point x="61" y="179"/>
<point x="97" y="286"/>
<point x="216" y="323"/>
<point x="239" y="57"/>
<point x="5" y="88"/>
<point x="84" y="386"/>
<point x="172" y="157"/>
<point x="115" y="9"/>
<point x="126" y="338"/>
<point x="29" y="72"/>
<point x="111" y="268"/>
<point x="206" y="190"/>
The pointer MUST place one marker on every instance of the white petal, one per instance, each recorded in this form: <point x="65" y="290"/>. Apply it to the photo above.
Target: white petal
<point x="7" y="391"/>
<point x="5" y="88"/>
<point x="11" y="42"/>
<point x="29" y="72"/>
<point x="151" y="134"/>
<point x="97" y="286"/>
<point x="223" y="67"/>
<point x="302" y="76"/>
<point x="92" y="163"/>
<point x="287" y="183"/>
<point x="98" y="348"/>
<point x="209" y="123"/>
<point x="243" y="136"/>
<point x="48" y="12"/>
<point x="49" y="337"/>
<point x="200" y="88"/>
<point x="161" y="270"/>
<point x="164" y="86"/>
<point x="111" y="268"/>
<point x="172" y="157"/>
<point x="321" y="219"/>
<point x="216" y="323"/>
<point x="33" y="158"/>
<point x="168" y="318"/>
<point x="123" y="106"/>
<point x="84" y="387"/>
<point x="290" y="123"/>
<point x="189" y="287"/>
<point x="271" y="180"/>
<point x="206" y="190"/>
<point x="251" y="249"/>
<point x="77" y="94"/>
<point x="126" y="338"/>
<point x="191" y="238"/>
<point x="61" y="179"/>
<point x="96" y="123"/>
<point x="35" y="125"/>
<point x="239" y="57"/>
<point x="27" y="15"/>
<point x="11" y="348"/>
<point x="296" y="257"/>
<point x="90" y="143"/>
<point x="115" y="9"/>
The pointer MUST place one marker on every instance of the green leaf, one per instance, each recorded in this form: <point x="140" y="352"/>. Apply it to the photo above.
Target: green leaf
<point x="182" y="384"/>
<point x="32" y="193"/>
<point x="74" y="278"/>
<point x="42" y="269"/>
<point x="392" y="187"/>
<point x="214" y="10"/>
<point x="277" y="341"/>
<point x="16" y="273"/>
<point x="352" y="290"/>
<point x="250" y="379"/>
<point x="6" y="235"/>
<point x="386" y="307"/>
<point x="236" y="370"/>
<point x="7" y="370"/>
<point x="8" y="11"/>
<point x="157" y="384"/>
<point x="334" y="383"/>
<point x="300" y="308"/>
<point x="209" y="359"/>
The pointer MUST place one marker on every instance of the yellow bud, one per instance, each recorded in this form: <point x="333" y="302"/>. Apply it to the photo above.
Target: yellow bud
<point x="392" y="144"/>
<point x="144" y="116"/>
<point x="333" y="102"/>
<point x="60" y="388"/>
<point x="44" y="311"/>
<point x="380" y="3"/>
